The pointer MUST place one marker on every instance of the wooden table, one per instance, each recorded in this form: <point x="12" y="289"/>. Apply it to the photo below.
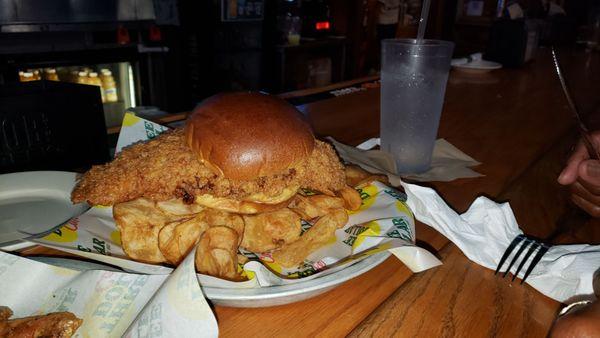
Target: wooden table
<point x="516" y="122"/>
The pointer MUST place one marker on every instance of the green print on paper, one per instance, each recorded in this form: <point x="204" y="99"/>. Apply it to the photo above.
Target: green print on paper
<point x="117" y="300"/>
<point x="83" y="248"/>
<point x="363" y="194"/>
<point x="395" y="194"/>
<point x="401" y="230"/>
<point x="353" y="231"/>
<point x="152" y="131"/>
<point x="99" y="246"/>
<point x="305" y="271"/>
<point x="150" y="324"/>
<point x="67" y="299"/>
<point x="304" y="225"/>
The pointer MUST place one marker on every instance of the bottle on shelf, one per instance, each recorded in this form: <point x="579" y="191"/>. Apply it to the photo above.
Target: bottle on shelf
<point x="50" y="74"/>
<point x="82" y="78"/>
<point x="27" y="76"/>
<point x="73" y="76"/>
<point x="95" y="80"/>
<point x="109" y="86"/>
<point x="36" y="75"/>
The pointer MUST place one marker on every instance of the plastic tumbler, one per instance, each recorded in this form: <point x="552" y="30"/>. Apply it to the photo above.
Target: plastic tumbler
<point x="413" y="83"/>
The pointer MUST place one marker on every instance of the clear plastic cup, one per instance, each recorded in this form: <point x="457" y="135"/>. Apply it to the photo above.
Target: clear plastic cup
<point x="413" y="84"/>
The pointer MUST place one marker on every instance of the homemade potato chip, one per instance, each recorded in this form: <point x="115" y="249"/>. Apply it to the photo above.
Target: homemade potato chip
<point x="176" y="239"/>
<point x="140" y="222"/>
<point x="216" y="254"/>
<point x="292" y="255"/>
<point x="357" y="176"/>
<point x="242" y="259"/>
<point x="178" y="207"/>
<point x="215" y="218"/>
<point x="286" y="194"/>
<point x="239" y="207"/>
<point x="167" y="244"/>
<point x="270" y="230"/>
<point x="351" y="197"/>
<point x="187" y="234"/>
<point x="313" y="206"/>
<point x="165" y="232"/>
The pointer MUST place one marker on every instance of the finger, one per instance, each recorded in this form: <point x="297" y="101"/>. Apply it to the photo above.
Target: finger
<point x="589" y="175"/>
<point x="582" y="191"/>
<point x="592" y="209"/>
<point x="595" y="136"/>
<point x="596" y="283"/>
<point x="570" y="172"/>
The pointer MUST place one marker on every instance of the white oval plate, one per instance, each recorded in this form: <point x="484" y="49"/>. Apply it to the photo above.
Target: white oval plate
<point x="33" y="204"/>
<point x="477" y="66"/>
<point x="285" y="294"/>
<point x="55" y="187"/>
<point x="257" y="297"/>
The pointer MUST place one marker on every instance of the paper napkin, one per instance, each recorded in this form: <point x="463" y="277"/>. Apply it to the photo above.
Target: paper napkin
<point x="111" y="304"/>
<point x="486" y="229"/>
<point x="448" y="162"/>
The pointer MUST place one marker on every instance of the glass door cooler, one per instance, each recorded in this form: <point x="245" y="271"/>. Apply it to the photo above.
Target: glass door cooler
<point x="115" y="81"/>
<point x="123" y="47"/>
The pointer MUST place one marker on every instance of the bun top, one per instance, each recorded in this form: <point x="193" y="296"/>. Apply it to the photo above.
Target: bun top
<point x="246" y="135"/>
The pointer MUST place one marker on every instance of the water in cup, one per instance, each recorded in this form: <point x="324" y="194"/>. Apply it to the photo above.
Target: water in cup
<point x="413" y="83"/>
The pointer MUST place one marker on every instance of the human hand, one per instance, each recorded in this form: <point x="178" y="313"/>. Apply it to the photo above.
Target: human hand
<point x="581" y="321"/>
<point x="582" y="174"/>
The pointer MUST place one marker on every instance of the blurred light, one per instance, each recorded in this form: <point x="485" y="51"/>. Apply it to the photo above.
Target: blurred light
<point x="323" y="25"/>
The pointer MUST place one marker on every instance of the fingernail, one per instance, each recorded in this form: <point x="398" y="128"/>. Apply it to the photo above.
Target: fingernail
<point x="593" y="168"/>
<point x="561" y="177"/>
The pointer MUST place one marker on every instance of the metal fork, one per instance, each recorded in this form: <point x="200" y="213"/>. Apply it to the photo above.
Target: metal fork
<point x="523" y="242"/>
<point x="583" y="129"/>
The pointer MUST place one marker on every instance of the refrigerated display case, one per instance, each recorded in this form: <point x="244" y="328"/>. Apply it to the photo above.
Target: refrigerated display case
<point x="137" y="41"/>
<point x="115" y="82"/>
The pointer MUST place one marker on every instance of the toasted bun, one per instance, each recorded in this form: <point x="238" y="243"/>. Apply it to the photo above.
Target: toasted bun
<point x="244" y="135"/>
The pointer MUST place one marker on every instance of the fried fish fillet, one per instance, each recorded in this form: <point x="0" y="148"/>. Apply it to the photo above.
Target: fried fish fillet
<point x="58" y="324"/>
<point x="165" y="168"/>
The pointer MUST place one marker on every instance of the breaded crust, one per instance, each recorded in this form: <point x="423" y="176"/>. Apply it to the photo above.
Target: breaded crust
<point x="165" y="168"/>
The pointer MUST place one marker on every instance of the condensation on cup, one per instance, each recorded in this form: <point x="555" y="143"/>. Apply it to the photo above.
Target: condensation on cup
<point x="413" y="84"/>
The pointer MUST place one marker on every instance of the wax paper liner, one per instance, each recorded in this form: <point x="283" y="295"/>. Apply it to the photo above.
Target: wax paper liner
<point x="111" y="304"/>
<point x="383" y="222"/>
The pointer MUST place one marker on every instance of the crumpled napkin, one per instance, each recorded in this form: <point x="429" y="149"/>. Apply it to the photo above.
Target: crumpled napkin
<point x="471" y="58"/>
<point x="448" y="162"/>
<point x="486" y="229"/>
<point x="111" y="304"/>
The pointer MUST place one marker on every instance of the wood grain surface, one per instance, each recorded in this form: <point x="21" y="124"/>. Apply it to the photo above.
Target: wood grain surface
<point x="460" y="299"/>
<point x="511" y="121"/>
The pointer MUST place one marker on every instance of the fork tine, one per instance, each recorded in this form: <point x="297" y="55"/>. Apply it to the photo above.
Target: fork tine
<point x="532" y="248"/>
<point x="519" y="252"/>
<point x="535" y="260"/>
<point x="508" y="250"/>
